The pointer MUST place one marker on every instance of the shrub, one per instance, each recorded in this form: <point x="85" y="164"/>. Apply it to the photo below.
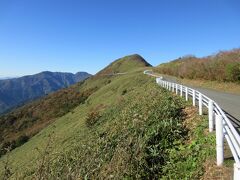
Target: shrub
<point x="21" y="140"/>
<point x="124" y="91"/>
<point x="10" y="145"/>
<point x="108" y="81"/>
<point x="224" y="66"/>
<point x="233" y="72"/>
<point x="92" y="118"/>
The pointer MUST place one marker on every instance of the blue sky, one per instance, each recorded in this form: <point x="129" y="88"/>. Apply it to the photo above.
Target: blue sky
<point x="86" y="35"/>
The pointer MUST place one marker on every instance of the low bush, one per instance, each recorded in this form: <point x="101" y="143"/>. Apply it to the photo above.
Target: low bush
<point x="186" y="159"/>
<point x="224" y="66"/>
<point x="92" y="118"/>
<point x="141" y="138"/>
<point x="233" y="72"/>
<point x="21" y="140"/>
<point x="6" y="146"/>
<point x="124" y="91"/>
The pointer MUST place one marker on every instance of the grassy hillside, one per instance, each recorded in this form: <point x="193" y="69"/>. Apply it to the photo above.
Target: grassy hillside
<point x="21" y="124"/>
<point x="224" y="66"/>
<point x="125" y="64"/>
<point x="17" y="126"/>
<point x="128" y="127"/>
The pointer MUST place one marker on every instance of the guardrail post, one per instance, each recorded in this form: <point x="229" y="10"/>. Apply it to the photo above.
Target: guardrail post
<point x="181" y="90"/>
<point x="236" y="175"/>
<point x="200" y="104"/>
<point x="194" y="98"/>
<point x="176" y="88"/>
<point x="210" y="115"/>
<point x="186" y="93"/>
<point x="219" y="140"/>
<point x="173" y="87"/>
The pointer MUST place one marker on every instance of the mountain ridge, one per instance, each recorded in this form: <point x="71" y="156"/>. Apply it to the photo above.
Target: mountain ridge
<point x="16" y="91"/>
<point x="27" y="120"/>
<point x="125" y="64"/>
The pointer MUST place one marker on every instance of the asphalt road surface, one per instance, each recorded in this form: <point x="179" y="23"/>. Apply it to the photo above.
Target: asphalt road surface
<point x="230" y="103"/>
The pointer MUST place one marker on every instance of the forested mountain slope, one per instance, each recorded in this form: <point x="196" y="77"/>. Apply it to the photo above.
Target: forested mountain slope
<point x="16" y="91"/>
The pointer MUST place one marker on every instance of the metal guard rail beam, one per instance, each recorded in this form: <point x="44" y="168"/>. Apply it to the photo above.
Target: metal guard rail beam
<point x="218" y="120"/>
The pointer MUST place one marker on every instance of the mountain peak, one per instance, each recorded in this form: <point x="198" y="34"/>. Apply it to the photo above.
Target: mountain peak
<point x="125" y="64"/>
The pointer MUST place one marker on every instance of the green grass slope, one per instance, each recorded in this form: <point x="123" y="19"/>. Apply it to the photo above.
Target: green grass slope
<point x="127" y="128"/>
<point x="125" y="64"/>
<point x="17" y="126"/>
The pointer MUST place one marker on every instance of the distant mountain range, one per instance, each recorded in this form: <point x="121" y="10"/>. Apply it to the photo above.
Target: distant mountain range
<point x="4" y="78"/>
<point x="16" y="91"/>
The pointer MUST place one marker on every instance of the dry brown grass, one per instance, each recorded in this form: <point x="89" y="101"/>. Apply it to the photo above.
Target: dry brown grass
<point x="214" y="172"/>
<point x="223" y="67"/>
<point x="191" y="120"/>
<point x="228" y="87"/>
<point x="219" y="86"/>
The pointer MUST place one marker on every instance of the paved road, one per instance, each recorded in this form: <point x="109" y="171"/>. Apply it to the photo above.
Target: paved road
<point x="230" y="103"/>
<point x="113" y="74"/>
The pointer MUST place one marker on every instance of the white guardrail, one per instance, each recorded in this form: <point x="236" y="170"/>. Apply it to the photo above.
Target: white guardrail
<point x="218" y="120"/>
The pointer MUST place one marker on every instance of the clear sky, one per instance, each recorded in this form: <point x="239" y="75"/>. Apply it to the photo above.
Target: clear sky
<point x="86" y="35"/>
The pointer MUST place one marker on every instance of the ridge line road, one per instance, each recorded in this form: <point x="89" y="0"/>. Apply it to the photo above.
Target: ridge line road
<point x="230" y="103"/>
